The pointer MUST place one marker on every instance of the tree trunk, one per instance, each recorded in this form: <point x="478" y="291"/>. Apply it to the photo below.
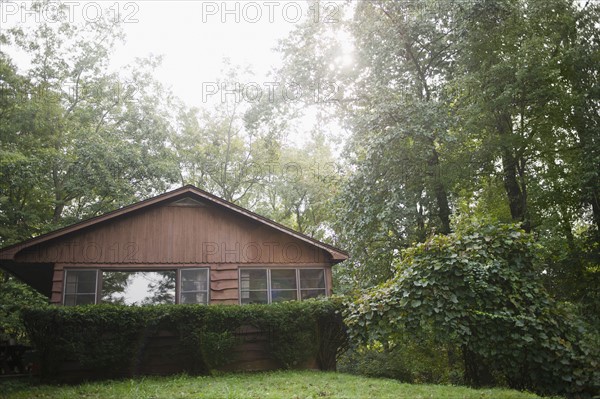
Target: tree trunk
<point x="439" y="189"/>
<point x="517" y="197"/>
<point x="59" y="202"/>
<point x="596" y="213"/>
<point x="441" y="196"/>
<point x="58" y="209"/>
<point x="477" y="373"/>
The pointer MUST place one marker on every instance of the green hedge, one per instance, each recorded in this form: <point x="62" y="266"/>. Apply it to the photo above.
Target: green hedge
<point x="108" y="340"/>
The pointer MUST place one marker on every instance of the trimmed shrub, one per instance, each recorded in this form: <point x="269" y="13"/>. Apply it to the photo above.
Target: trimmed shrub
<point x="109" y="340"/>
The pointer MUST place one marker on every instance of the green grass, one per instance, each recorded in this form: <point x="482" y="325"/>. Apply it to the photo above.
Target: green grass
<point x="281" y="384"/>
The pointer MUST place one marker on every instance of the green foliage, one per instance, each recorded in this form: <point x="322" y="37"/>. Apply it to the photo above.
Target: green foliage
<point x="399" y="191"/>
<point x="110" y="339"/>
<point x="484" y="107"/>
<point x="14" y="296"/>
<point x="416" y="360"/>
<point x="75" y="139"/>
<point x="477" y="289"/>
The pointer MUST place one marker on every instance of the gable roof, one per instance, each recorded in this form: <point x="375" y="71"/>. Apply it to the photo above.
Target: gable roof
<point x="189" y="191"/>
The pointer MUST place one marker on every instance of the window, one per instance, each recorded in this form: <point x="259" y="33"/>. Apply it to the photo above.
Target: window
<point x="194" y="286"/>
<point x="136" y="287"/>
<point x="274" y="285"/>
<point x="253" y="285"/>
<point x="283" y="285"/>
<point x="80" y="287"/>
<point x="312" y="283"/>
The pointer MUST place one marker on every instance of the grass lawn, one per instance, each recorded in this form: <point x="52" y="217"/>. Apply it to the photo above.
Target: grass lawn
<point x="281" y="384"/>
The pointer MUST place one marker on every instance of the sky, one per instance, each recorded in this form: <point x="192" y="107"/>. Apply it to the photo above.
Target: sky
<point x="193" y="36"/>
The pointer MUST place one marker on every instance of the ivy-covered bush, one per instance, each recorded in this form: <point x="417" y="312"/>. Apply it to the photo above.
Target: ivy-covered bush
<point x="109" y="340"/>
<point x="476" y="289"/>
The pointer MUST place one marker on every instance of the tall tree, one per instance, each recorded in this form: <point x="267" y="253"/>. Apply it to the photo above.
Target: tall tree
<point x="226" y="149"/>
<point x="527" y="95"/>
<point x="82" y="140"/>
<point x="400" y="126"/>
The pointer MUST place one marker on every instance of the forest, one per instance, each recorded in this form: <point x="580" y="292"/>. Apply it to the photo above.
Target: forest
<point x="452" y="147"/>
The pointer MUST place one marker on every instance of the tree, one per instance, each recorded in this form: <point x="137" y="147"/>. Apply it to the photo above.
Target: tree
<point x="300" y="188"/>
<point x="22" y="192"/>
<point x="217" y="155"/>
<point x="400" y="190"/>
<point x="82" y="141"/>
<point x="526" y="92"/>
<point x="477" y="288"/>
<point x="225" y="150"/>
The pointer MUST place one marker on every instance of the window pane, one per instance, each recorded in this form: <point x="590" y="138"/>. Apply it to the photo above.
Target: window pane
<point x="139" y="288"/>
<point x="194" y="286"/>
<point x="70" y="300"/>
<point x="306" y="294"/>
<point x="187" y="286"/>
<point x="312" y="278"/>
<point x="283" y="279"/>
<point x="278" y="295"/>
<point x="80" y="287"/>
<point x="254" y="297"/>
<point x="253" y="280"/>
<point x="86" y="299"/>
<point x="73" y="299"/>
<point x="71" y="288"/>
<point x="81" y="281"/>
<point x="194" y="280"/>
<point x="194" y="297"/>
<point x="71" y="278"/>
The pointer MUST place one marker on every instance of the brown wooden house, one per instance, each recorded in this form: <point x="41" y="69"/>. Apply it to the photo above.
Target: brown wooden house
<point x="210" y="250"/>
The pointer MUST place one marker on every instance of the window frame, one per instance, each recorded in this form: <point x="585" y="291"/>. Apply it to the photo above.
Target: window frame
<point x="99" y="280"/>
<point x="298" y="289"/>
<point x="98" y="284"/>
<point x="179" y="286"/>
<point x="268" y="289"/>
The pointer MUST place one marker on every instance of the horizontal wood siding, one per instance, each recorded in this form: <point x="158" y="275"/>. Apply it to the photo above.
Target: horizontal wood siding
<point x="57" y="285"/>
<point x="251" y="353"/>
<point x="178" y="235"/>
<point x="224" y="284"/>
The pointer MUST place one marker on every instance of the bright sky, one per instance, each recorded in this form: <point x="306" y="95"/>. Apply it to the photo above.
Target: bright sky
<point x="193" y="36"/>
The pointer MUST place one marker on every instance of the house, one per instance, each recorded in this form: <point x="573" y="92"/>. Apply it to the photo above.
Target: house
<point x="200" y="248"/>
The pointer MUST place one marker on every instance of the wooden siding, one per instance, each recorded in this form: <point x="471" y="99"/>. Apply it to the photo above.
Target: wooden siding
<point x="177" y="235"/>
<point x="57" y="285"/>
<point x="224" y="284"/>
